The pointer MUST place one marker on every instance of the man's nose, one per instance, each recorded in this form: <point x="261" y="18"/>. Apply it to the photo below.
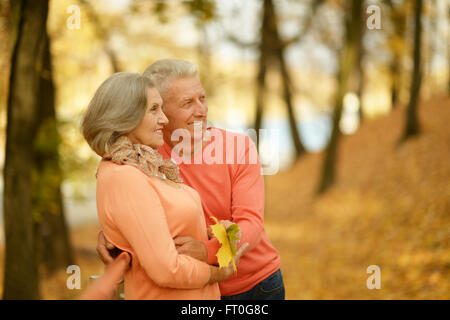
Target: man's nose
<point x="201" y="109"/>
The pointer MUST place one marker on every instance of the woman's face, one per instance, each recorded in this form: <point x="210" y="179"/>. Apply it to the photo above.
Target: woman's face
<point x="149" y="130"/>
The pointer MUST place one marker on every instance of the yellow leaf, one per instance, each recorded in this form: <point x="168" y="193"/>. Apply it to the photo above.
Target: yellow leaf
<point x="225" y="254"/>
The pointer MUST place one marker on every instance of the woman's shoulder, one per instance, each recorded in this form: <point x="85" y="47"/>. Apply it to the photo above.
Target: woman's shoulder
<point x="109" y="171"/>
<point x="191" y="190"/>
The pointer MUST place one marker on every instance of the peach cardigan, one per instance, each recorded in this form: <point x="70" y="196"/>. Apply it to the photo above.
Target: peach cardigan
<point x="141" y="215"/>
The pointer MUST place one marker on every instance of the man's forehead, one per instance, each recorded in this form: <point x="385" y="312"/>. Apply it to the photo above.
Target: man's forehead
<point x="186" y="87"/>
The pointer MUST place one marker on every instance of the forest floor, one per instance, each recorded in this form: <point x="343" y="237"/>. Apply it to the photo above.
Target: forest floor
<point x="390" y="207"/>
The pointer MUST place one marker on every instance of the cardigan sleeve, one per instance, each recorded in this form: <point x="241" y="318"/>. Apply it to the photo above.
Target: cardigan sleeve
<point x="136" y="211"/>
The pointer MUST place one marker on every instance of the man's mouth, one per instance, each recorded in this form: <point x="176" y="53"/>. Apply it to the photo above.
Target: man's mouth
<point x="196" y="123"/>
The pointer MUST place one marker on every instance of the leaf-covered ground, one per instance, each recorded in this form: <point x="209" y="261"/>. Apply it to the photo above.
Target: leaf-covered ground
<point x="390" y="207"/>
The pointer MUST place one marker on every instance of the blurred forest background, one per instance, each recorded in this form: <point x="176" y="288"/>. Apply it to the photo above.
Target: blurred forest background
<point x="357" y="91"/>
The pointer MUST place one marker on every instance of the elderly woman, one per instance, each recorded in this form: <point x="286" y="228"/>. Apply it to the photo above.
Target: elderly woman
<point x="141" y="201"/>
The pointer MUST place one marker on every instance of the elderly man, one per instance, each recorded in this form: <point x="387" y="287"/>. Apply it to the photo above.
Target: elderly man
<point x="220" y="166"/>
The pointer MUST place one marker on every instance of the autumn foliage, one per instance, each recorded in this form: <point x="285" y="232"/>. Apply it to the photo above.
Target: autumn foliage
<point x="390" y="207"/>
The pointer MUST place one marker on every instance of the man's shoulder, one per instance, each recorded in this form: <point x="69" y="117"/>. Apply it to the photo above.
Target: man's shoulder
<point x="226" y="131"/>
<point x="233" y="136"/>
<point x="238" y="148"/>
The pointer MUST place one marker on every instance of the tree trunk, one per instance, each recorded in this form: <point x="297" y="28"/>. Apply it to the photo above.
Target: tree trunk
<point x="271" y="49"/>
<point x="205" y="66"/>
<point x="51" y="237"/>
<point x="412" y="122"/>
<point x="278" y="53"/>
<point x="360" y="92"/>
<point x="103" y="35"/>
<point x="265" y="52"/>
<point x="448" y="54"/>
<point x="299" y="149"/>
<point x="329" y="162"/>
<point x="21" y="273"/>
<point x="347" y="62"/>
<point x="260" y="92"/>
<point x="359" y="62"/>
<point x="399" y="22"/>
<point x="395" y="76"/>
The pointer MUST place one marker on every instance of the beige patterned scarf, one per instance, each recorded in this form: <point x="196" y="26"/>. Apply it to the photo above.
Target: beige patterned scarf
<point x="144" y="158"/>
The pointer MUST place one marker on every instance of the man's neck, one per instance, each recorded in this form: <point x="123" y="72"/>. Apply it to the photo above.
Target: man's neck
<point x="194" y="145"/>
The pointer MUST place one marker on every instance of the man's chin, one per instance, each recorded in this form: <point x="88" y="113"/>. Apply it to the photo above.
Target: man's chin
<point x="196" y="132"/>
<point x="188" y="132"/>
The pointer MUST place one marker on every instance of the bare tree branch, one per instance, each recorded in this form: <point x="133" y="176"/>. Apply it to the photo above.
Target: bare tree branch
<point x="102" y="34"/>
<point x="306" y="27"/>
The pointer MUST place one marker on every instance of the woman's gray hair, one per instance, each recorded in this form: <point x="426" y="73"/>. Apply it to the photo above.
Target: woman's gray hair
<point x="163" y="71"/>
<point x="118" y="106"/>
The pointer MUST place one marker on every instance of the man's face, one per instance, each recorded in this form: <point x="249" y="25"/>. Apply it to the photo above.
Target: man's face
<point x="184" y="103"/>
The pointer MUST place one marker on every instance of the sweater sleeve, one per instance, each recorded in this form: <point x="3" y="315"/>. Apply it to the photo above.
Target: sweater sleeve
<point x="135" y="209"/>
<point x="247" y="196"/>
<point x="247" y="199"/>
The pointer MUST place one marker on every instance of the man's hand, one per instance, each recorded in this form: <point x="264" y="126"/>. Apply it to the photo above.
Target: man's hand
<point x="221" y="274"/>
<point x="227" y="224"/>
<point x="191" y="247"/>
<point x="103" y="245"/>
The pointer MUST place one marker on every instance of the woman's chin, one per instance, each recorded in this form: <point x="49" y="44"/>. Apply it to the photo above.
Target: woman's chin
<point x="158" y="144"/>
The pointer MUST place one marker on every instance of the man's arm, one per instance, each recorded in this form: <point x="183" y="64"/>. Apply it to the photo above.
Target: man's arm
<point x="247" y="199"/>
<point x="189" y="246"/>
<point x="247" y="196"/>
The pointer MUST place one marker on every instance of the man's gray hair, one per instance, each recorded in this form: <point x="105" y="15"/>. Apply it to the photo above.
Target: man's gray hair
<point x="163" y="71"/>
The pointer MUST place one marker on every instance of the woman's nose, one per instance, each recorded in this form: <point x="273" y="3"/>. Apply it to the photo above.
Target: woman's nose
<point x="163" y="119"/>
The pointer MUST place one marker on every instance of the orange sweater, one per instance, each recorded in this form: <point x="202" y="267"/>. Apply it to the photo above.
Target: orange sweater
<point x="232" y="191"/>
<point x="141" y="215"/>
